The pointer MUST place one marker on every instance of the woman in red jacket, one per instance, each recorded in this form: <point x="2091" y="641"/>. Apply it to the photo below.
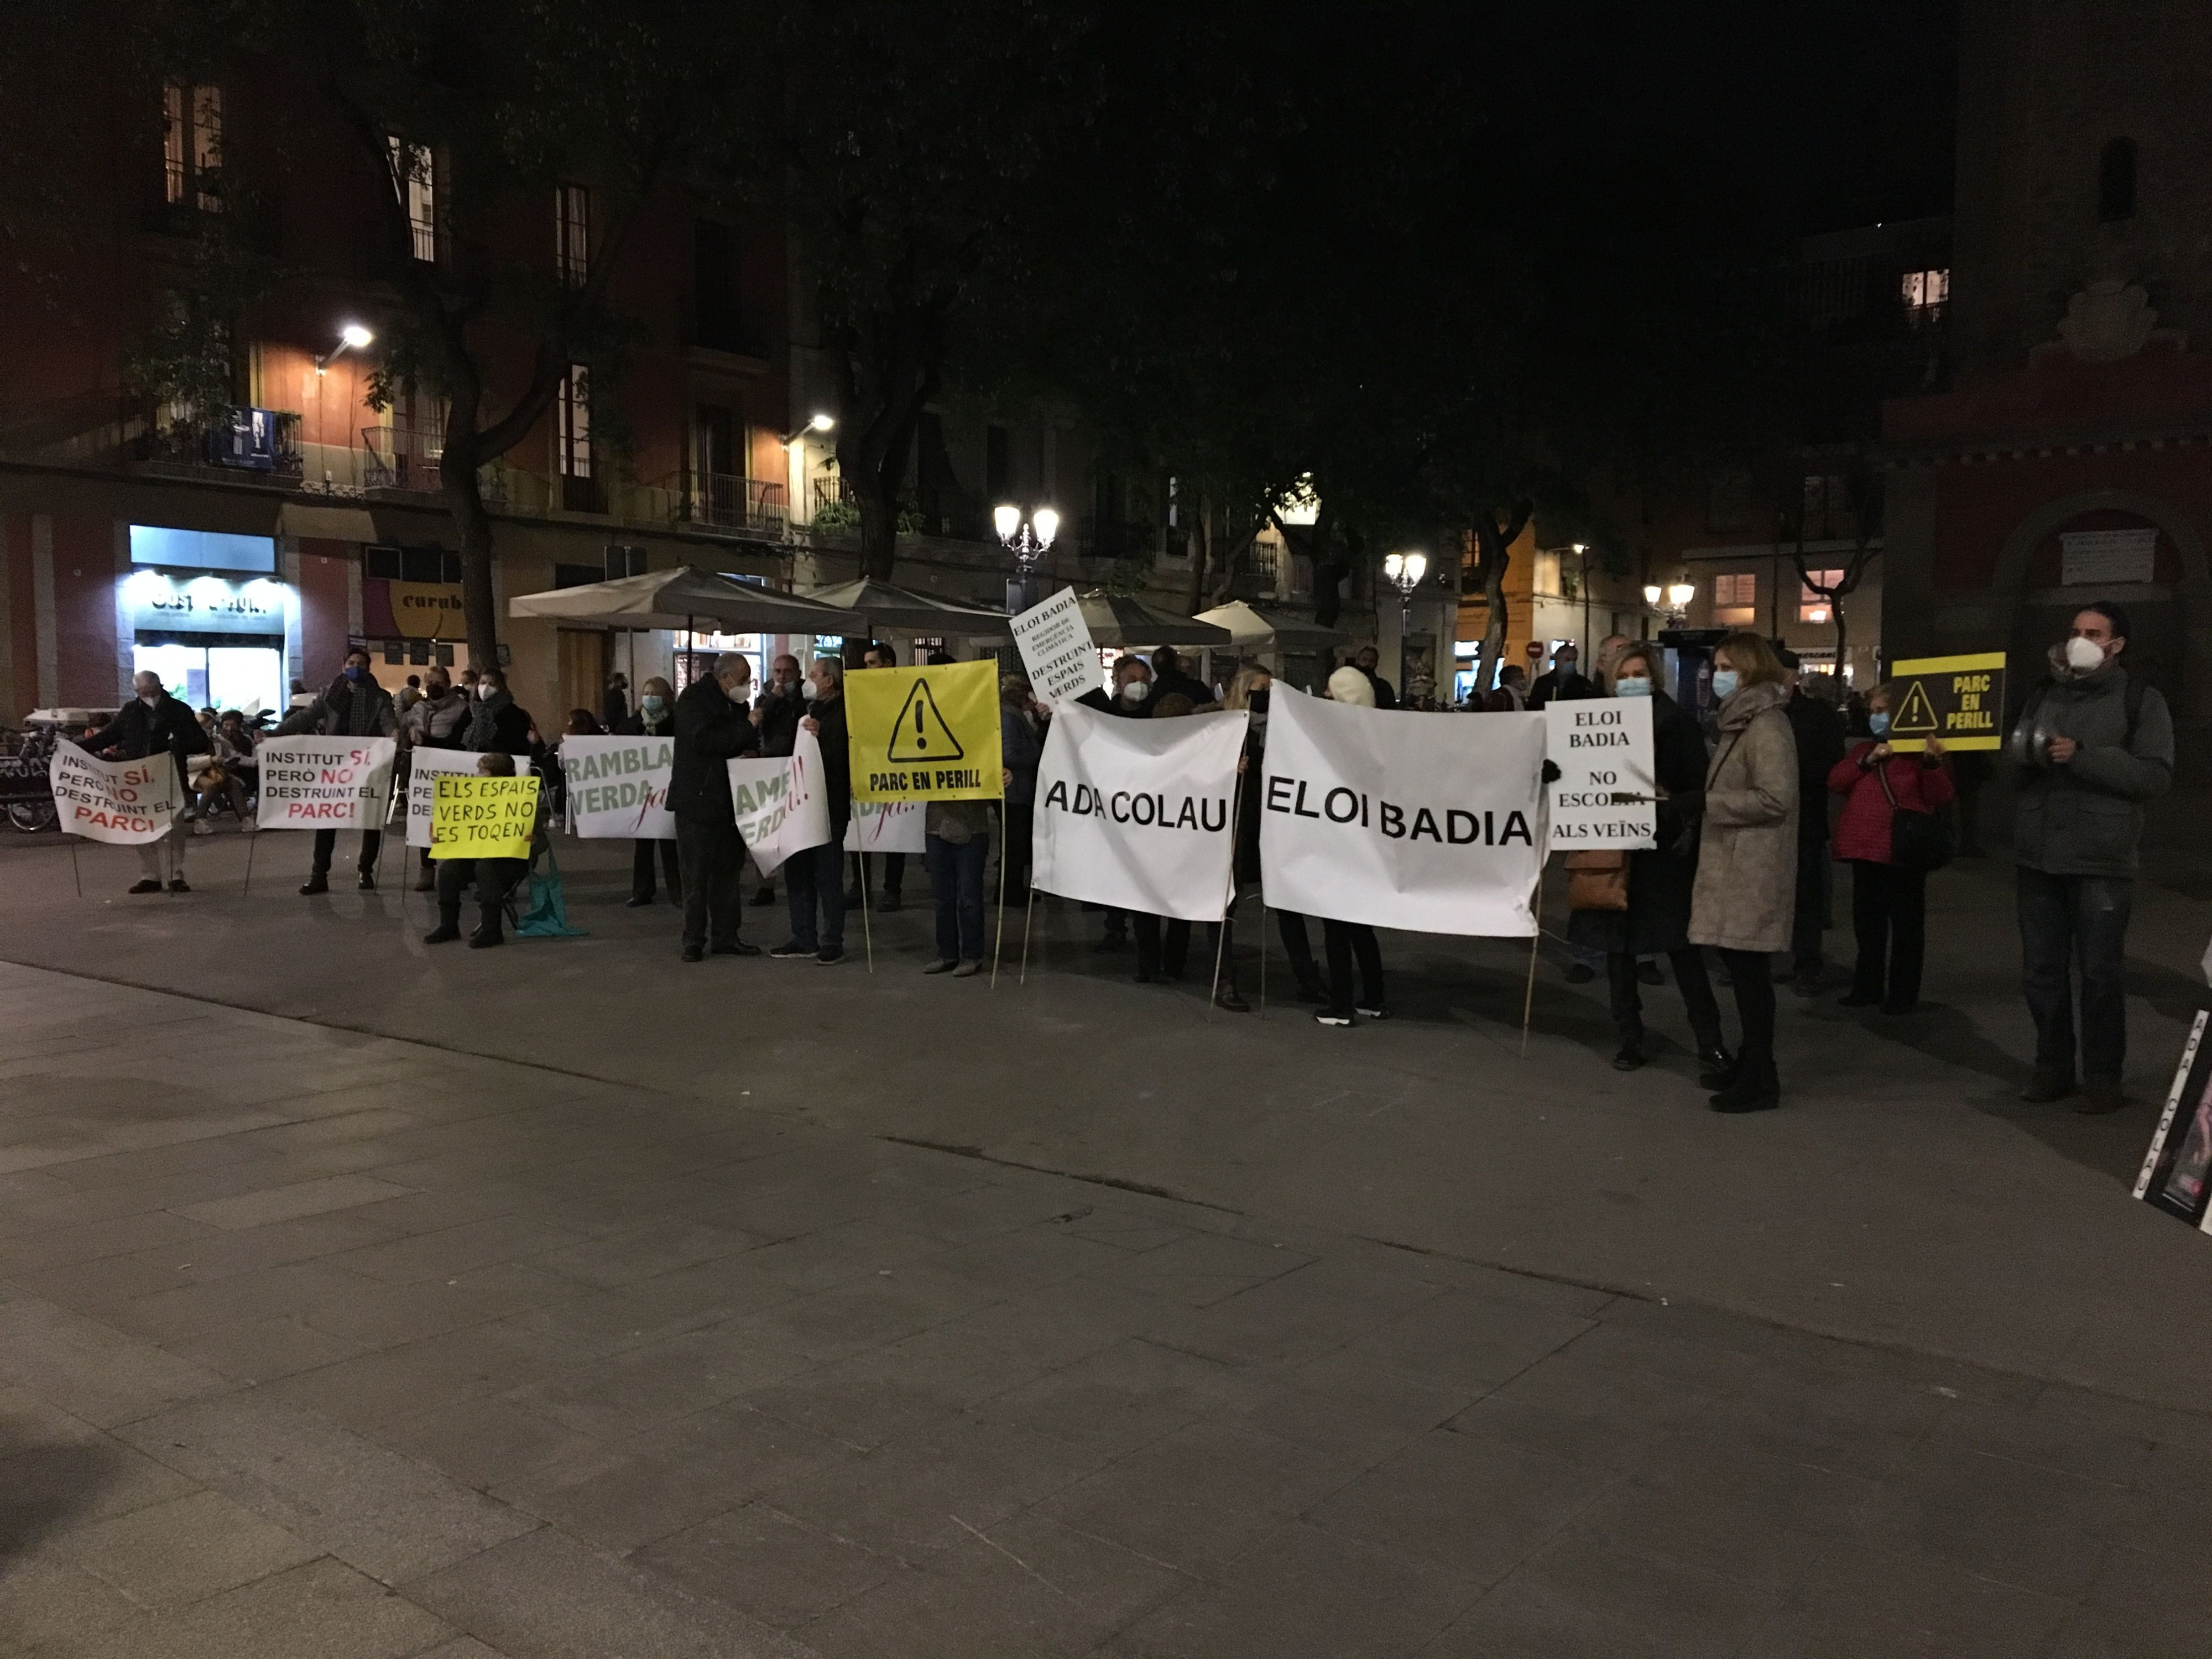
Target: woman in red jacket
<point x="1889" y="906"/>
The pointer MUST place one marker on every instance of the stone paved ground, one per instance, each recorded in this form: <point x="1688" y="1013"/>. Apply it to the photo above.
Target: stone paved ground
<point x="570" y="1302"/>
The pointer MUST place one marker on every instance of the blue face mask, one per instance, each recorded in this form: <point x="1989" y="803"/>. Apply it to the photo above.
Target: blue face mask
<point x="1637" y="687"/>
<point x="356" y="675"/>
<point x="651" y="704"/>
<point x="1725" y="681"/>
<point x="1878" y="721"/>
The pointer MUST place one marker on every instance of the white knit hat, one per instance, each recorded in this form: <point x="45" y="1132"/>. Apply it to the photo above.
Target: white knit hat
<point x="1349" y="686"/>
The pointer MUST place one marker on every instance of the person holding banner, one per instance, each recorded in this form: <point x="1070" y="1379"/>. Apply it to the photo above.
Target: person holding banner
<point x="811" y="876"/>
<point x="494" y="879"/>
<point x="1889" y="899"/>
<point x="354" y="706"/>
<point x="1660" y="879"/>
<point x="151" y="723"/>
<point x="1021" y="745"/>
<point x="879" y="653"/>
<point x="714" y="726"/>
<point x="1132" y="693"/>
<point x="655" y="718"/>
<point x="1745" y="897"/>
<point x="1344" y="941"/>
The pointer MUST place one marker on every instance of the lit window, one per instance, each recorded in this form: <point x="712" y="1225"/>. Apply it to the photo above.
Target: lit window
<point x="1924" y="290"/>
<point x="575" y="418"/>
<point x="191" y="143"/>
<point x="572" y="234"/>
<point x="414" y="178"/>
<point x="1813" y="605"/>
<point x="1736" y="599"/>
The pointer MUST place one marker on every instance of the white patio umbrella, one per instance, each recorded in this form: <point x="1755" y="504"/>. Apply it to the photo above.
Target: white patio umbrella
<point x="683" y="599"/>
<point x="1249" y="625"/>
<point x="905" y="611"/>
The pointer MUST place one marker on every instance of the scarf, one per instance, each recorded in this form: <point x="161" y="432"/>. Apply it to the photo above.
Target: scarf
<point x="484" y="720"/>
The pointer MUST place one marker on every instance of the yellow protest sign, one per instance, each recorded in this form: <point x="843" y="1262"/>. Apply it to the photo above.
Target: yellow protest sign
<point x="925" y="733"/>
<point x="480" y="817"/>
<point x="1959" y="699"/>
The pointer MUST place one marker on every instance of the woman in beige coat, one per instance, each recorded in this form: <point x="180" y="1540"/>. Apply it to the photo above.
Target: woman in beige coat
<point x="1746" y="895"/>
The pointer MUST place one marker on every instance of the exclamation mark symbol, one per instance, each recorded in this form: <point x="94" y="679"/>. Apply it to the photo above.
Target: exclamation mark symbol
<point x="921" y="739"/>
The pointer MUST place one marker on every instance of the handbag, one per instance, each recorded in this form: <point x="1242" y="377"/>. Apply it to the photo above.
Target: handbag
<point x="1918" y="841"/>
<point x="1597" y="880"/>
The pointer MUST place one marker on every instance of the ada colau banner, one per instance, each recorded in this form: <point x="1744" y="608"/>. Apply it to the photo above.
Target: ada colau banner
<point x="1431" y="823"/>
<point x="1138" y="814"/>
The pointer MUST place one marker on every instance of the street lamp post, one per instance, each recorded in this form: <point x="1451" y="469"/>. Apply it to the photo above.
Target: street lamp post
<point x="1028" y="543"/>
<point x="1404" y="572"/>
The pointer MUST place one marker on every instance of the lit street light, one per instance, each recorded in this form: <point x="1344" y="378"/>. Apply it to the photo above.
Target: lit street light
<point x="353" y="337"/>
<point x="1404" y="572"/>
<point x="1028" y="543"/>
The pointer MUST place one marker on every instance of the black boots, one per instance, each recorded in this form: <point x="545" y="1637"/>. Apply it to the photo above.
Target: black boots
<point x="448" y="928"/>
<point x="1756" y="1088"/>
<point x="488" y="932"/>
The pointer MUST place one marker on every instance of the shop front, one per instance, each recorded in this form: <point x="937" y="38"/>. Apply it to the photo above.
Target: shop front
<point x="411" y="612"/>
<point x="206" y="613"/>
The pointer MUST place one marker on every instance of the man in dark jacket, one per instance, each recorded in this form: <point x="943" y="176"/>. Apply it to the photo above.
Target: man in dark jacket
<point x="614" y="706"/>
<point x="1819" y="733"/>
<point x="714" y="726"/>
<point x="812" y="874"/>
<point x="1565" y="683"/>
<point x="1132" y="700"/>
<point x="879" y="653"/>
<point x="354" y="705"/>
<point x="776" y="714"/>
<point x="2091" y="747"/>
<point x="1168" y="676"/>
<point x="153" y="722"/>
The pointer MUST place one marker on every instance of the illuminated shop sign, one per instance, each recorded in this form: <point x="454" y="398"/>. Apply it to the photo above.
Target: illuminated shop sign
<point x="158" y="602"/>
<point x="203" y="549"/>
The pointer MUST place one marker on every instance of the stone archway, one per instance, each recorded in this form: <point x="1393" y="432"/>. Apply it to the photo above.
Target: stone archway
<point x="2192" y="595"/>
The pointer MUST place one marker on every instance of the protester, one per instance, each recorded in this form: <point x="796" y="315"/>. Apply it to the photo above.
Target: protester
<point x="353" y="705"/>
<point x="1511" y="696"/>
<point x="1889" y="900"/>
<point x="1253" y="690"/>
<point x="407" y="695"/>
<point x="1610" y="650"/>
<point x="1168" y="676"/>
<point x="712" y="727"/>
<point x="1747" y="880"/>
<point x="879" y="654"/>
<point x="614" y="705"/>
<point x="1565" y="683"/>
<point x="812" y="874"/>
<point x="1820" y="737"/>
<point x="441" y="720"/>
<point x="1344" y="941"/>
<point x="2092" y="743"/>
<point x="494" y="879"/>
<point x="1364" y="659"/>
<point x="496" y="723"/>
<point x="153" y="722"/>
<point x="655" y="718"/>
<point x="1130" y="699"/>
<point x="776" y="714"/>
<point x="1660" y="879"/>
<point x="1021" y="745"/>
<point x="1163" y="942"/>
<point x="581" y="723"/>
<point x="957" y="845"/>
<point x="234" y="772"/>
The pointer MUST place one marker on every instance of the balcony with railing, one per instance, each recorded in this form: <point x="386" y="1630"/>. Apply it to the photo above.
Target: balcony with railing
<point x="251" y="441"/>
<point x="721" y="501"/>
<point x="404" y="459"/>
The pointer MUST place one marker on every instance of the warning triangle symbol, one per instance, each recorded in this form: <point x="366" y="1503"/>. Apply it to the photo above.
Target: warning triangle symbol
<point x="1916" y="714"/>
<point x="920" y="733"/>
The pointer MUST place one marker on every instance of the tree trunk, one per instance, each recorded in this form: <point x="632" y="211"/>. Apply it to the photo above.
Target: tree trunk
<point x="1494" y="544"/>
<point x="464" y="491"/>
<point x="1200" y="542"/>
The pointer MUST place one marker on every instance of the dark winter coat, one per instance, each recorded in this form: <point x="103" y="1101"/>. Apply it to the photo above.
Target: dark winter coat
<point x="1020" y="752"/>
<point x="711" y="731"/>
<point x="1819" y="729"/>
<point x="346" y="710"/>
<point x="2086" y="818"/>
<point x="779" y="721"/>
<point x="499" y="725"/>
<point x="139" y="731"/>
<point x="836" y="741"/>
<point x="1550" y="688"/>
<point x="1660" y="880"/>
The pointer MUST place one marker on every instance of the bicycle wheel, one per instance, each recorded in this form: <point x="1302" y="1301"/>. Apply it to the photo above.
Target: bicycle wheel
<point x="31" y="816"/>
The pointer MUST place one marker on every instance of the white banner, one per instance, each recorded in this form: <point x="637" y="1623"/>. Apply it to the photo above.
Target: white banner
<point x="885" y="826"/>
<point x="1606" y="794"/>
<point x="1430" y="822"/>
<point x="423" y="766"/>
<point x="1057" y="652"/>
<point x="782" y="805"/>
<point x="618" y="787"/>
<point x="325" y="783"/>
<point x="128" y="803"/>
<point x="1138" y="814"/>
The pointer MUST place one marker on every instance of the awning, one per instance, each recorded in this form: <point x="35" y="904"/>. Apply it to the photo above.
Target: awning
<point x="682" y="599"/>
<point x="1117" y="620"/>
<point x="327" y="524"/>
<point x="1249" y="625"/>
<point x="892" y="609"/>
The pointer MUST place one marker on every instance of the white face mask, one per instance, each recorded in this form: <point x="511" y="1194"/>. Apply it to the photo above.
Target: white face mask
<point x="809" y="691"/>
<point x="741" y="692"/>
<point x="1136" y="690"/>
<point x="2083" y="655"/>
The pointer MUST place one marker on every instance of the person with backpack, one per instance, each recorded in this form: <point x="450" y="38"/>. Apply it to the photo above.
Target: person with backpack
<point x="2092" y="745"/>
<point x="1892" y="835"/>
